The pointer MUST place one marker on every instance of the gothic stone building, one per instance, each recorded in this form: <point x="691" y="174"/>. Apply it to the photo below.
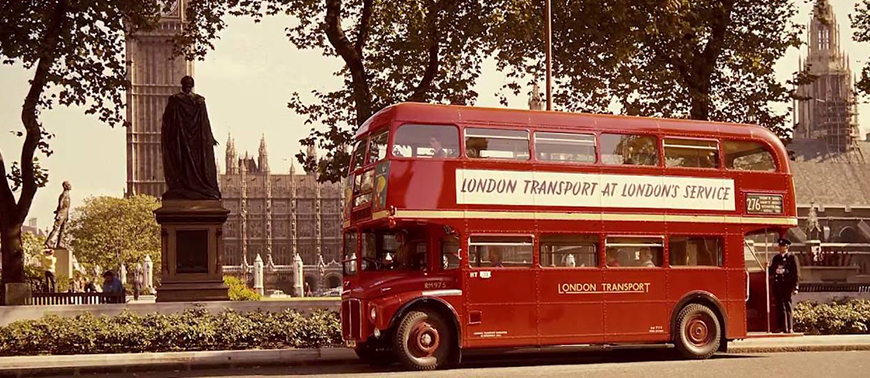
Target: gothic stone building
<point x="831" y="174"/>
<point x="277" y="215"/>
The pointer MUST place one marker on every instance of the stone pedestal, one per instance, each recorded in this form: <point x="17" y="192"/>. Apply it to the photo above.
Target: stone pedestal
<point x="64" y="266"/>
<point x="191" y="241"/>
<point x="17" y="294"/>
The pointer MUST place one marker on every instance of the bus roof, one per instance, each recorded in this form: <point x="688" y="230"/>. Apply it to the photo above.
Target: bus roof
<point x="432" y="113"/>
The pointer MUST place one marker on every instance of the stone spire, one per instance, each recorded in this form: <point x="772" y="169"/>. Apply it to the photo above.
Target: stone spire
<point x="232" y="159"/>
<point x="535" y="101"/>
<point x="263" y="160"/>
<point x="312" y="154"/>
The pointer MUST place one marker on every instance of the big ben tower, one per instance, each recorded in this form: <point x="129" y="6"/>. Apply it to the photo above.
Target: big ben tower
<point x="155" y="75"/>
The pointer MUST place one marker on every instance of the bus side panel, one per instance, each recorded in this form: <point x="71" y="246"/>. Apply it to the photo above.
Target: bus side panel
<point x="635" y="304"/>
<point x="736" y="304"/>
<point x="571" y="308"/>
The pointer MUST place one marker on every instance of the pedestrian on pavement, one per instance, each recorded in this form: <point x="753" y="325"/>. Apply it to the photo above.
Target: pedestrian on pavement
<point x="137" y="280"/>
<point x="112" y="285"/>
<point x="784" y="271"/>
<point x="49" y="264"/>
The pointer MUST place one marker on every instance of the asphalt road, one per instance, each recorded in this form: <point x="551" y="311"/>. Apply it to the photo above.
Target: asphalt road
<point x="614" y="364"/>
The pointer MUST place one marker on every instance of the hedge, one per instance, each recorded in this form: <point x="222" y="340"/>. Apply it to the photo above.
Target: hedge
<point x="238" y="291"/>
<point x="192" y="330"/>
<point x="845" y="317"/>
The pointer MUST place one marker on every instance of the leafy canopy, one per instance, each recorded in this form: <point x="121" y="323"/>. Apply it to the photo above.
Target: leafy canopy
<point x="108" y="231"/>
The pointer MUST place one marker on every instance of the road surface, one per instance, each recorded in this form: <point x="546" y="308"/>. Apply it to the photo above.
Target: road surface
<point x="613" y="364"/>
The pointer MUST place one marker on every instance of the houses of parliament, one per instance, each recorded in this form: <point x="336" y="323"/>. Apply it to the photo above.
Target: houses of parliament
<point x="272" y="215"/>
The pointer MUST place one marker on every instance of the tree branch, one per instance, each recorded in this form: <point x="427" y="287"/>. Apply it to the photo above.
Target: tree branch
<point x="7" y="198"/>
<point x="364" y="26"/>
<point x="29" y="111"/>
<point x="361" y="92"/>
<point x="434" y="32"/>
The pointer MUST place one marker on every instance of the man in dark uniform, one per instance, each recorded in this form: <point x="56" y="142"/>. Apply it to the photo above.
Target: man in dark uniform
<point x="783" y="272"/>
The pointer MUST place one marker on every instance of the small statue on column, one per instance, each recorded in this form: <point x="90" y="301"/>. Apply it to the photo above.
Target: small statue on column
<point x="61" y="216"/>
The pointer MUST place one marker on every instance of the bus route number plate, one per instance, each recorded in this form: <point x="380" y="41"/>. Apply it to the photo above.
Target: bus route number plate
<point x="763" y="204"/>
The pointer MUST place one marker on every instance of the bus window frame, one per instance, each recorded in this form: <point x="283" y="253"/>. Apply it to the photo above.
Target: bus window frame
<point x="534" y="264"/>
<point x="764" y="144"/>
<point x="596" y="146"/>
<point x="720" y="159"/>
<point x="370" y="139"/>
<point x="395" y="131"/>
<point x="356" y="253"/>
<point x="659" y="149"/>
<point x="505" y="127"/>
<point x="598" y="250"/>
<point x="665" y="257"/>
<point x="721" y="237"/>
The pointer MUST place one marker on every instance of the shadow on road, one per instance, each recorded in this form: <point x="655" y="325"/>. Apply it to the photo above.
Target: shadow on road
<point x="500" y="360"/>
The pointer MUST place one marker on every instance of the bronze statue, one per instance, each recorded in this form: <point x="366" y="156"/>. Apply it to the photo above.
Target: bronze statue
<point x="188" y="147"/>
<point x="61" y="216"/>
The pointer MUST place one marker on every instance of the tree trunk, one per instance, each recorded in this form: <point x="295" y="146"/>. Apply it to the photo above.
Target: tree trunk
<point x="13" y="252"/>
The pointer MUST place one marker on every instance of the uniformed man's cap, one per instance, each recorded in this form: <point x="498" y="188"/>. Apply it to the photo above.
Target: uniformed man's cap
<point x="784" y="241"/>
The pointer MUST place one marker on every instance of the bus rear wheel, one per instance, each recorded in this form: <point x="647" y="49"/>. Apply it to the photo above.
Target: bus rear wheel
<point x="698" y="332"/>
<point x="423" y="341"/>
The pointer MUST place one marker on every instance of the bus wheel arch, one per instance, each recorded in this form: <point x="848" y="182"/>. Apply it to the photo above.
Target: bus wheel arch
<point x="705" y="299"/>
<point x="442" y="310"/>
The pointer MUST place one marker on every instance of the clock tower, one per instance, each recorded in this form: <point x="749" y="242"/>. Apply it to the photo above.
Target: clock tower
<point x="155" y="75"/>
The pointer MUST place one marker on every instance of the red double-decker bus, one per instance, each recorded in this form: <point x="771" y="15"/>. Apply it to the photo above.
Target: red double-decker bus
<point x="472" y="228"/>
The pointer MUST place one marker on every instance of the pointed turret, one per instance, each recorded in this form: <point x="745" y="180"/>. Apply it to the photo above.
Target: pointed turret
<point x="232" y="164"/>
<point x="263" y="160"/>
<point x="312" y="155"/>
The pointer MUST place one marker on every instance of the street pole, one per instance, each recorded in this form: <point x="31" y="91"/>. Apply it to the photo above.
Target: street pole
<point x="549" y="56"/>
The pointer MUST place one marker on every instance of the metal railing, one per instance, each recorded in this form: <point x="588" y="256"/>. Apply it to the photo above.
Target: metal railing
<point x="50" y="299"/>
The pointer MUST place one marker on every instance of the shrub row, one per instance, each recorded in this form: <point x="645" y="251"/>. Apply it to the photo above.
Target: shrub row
<point x="847" y="317"/>
<point x="192" y="330"/>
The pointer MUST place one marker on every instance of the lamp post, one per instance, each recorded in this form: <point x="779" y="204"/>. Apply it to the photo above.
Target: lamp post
<point x="549" y="30"/>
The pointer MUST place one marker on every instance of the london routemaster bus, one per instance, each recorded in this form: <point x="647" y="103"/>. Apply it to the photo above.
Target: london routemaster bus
<point x="469" y="228"/>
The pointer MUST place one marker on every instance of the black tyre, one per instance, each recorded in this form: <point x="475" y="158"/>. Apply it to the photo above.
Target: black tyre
<point x="698" y="332"/>
<point x="375" y="355"/>
<point x="423" y="341"/>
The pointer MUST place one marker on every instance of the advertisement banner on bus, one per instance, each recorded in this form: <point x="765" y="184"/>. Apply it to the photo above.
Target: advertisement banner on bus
<point x="525" y="188"/>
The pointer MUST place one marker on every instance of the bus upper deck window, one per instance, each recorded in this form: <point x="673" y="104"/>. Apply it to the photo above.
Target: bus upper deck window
<point x="359" y="153"/>
<point x="426" y="141"/>
<point x="691" y="153"/>
<point x="748" y="156"/>
<point x="378" y="146"/>
<point x="628" y="149"/>
<point x="497" y="144"/>
<point x="567" y="147"/>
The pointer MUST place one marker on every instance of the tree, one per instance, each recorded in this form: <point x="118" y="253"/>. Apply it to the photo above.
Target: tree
<point x="393" y="50"/>
<point x="75" y="49"/>
<point x="110" y="231"/>
<point x="861" y="25"/>
<point x="704" y="60"/>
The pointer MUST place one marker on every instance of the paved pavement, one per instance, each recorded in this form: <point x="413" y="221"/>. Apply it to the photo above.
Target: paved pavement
<point x="605" y="364"/>
<point x="330" y="358"/>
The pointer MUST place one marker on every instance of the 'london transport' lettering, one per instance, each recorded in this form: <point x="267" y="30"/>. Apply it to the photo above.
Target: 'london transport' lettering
<point x="593" y="288"/>
<point x="486" y="187"/>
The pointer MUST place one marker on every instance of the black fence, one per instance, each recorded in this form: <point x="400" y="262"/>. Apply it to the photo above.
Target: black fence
<point x="829" y="287"/>
<point x="47" y="299"/>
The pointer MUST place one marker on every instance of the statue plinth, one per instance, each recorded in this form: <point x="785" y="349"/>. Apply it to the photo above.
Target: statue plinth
<point x="191" y="241"/>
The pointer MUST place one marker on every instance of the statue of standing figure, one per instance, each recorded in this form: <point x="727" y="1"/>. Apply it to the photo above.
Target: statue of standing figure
<point x="61" y="216"/>
<point x="188" y="147"/>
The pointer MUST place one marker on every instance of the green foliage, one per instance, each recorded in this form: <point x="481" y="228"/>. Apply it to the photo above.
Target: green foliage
<point x="239" y="291"/>
<point x="706" y="59"/>
<point x="75" y="50"/>
<point x="191" y="330"/>
<point x="108" y="231"/>
<point x="848" y="317"/>
<point x="392" y="50"/>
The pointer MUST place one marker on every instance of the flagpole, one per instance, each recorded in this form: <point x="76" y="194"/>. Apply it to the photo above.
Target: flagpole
<point x="549" y="56"/>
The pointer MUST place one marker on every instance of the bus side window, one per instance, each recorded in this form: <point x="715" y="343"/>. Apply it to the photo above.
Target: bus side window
<point x="569" y="251"/>
<point x="450" y="256"/>
<point x="691" y="153"/>
<point x="695" y="251"/>
<point x="497" y="144"/>
<point x="747" y="156"/>
<point x="617" y="149"/>
<point x="493" y="251"/>
<point x="426" y="141"/>
<point x="641" y="252"/>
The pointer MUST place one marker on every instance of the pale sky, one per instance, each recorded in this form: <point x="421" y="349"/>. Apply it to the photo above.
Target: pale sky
<point x="247" y="82"/>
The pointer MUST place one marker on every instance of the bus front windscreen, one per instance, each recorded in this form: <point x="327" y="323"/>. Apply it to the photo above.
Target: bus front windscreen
<point x="396" y="249"/>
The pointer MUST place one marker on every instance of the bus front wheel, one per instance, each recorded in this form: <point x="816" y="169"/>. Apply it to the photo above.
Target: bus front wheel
<point x="698" y="332"/>
<point x="423" y="340"/>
